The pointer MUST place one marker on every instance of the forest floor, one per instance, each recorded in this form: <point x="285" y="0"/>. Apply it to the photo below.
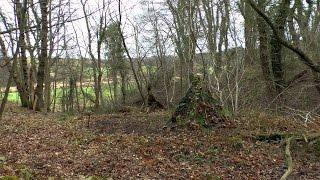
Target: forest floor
<point x="133" y="145"/>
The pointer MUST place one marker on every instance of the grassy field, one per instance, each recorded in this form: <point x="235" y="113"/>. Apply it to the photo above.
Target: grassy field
<point x="13" y="97"/>
<point x="107" y="91"/>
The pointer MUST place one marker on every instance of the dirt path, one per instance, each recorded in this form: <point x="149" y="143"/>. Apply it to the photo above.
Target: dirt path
<point x="134" y="146"/>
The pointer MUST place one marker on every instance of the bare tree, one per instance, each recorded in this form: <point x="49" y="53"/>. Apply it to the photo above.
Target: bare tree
<point x="128" y="54"/>
<point x="100" y="39"/>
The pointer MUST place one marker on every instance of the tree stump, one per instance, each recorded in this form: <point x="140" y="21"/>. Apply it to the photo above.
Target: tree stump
<point x="152" y="102"/>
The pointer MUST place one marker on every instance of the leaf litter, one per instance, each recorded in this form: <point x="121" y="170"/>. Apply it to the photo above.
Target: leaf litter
<point x="134" y="146"/>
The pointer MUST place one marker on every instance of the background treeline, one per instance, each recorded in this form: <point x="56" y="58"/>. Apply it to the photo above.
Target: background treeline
<point x="250" y="54"/>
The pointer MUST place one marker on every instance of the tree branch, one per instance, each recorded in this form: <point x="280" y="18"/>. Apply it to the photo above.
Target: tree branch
<point x="303" y="56"/>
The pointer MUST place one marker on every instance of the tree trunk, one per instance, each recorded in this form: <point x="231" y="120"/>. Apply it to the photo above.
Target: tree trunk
<point x="115" y="84"/>
<point x="123" y="86"/>
<point x="11" y="75"/>
<point x="249" y="32"/>
<point x="276" y="47"/>
<point x="43" y="55"/>
<point x="21" y="10"/>
<point x="128" y="54"/>
<point x="264" y="50"/>
<point x="6" y="93"/>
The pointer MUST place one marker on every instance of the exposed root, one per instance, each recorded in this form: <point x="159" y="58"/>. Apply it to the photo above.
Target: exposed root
<point x="288" y="160"/>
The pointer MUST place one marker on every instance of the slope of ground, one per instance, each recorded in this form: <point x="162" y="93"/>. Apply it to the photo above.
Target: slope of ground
<point x="134" y="146"/>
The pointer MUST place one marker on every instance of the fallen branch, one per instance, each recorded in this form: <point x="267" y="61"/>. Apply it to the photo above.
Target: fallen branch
<point x="311" y="137"/>
<point x="278" y="137"/>
<point x="288" y="160"/>
<point x="306" y="116"/>
<point x="296" y="78"/>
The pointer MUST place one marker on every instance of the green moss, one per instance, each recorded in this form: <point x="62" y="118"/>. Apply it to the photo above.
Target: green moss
<point x="199" y="158"/>
<point x="94" y="178"/>
<point x="236" y="142"/>
<point x="65" y="116"/>
<point x="213" y="151"/>
<point x="9" y="178"/>
<point x="209" y="176"/>
<point x="26" y="174"/>
<point x="2" y="159"/>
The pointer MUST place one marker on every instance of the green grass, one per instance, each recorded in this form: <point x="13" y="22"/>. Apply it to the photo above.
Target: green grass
<point x="14" y="96"/>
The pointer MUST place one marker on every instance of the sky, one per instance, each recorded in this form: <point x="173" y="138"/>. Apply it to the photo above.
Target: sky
<point x="132" y="11"/>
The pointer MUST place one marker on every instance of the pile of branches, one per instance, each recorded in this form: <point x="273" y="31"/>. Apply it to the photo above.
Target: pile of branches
<point x="199" y="107"/>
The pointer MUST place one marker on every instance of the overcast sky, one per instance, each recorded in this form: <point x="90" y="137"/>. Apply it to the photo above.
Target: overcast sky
<point x="132" y="10"/>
